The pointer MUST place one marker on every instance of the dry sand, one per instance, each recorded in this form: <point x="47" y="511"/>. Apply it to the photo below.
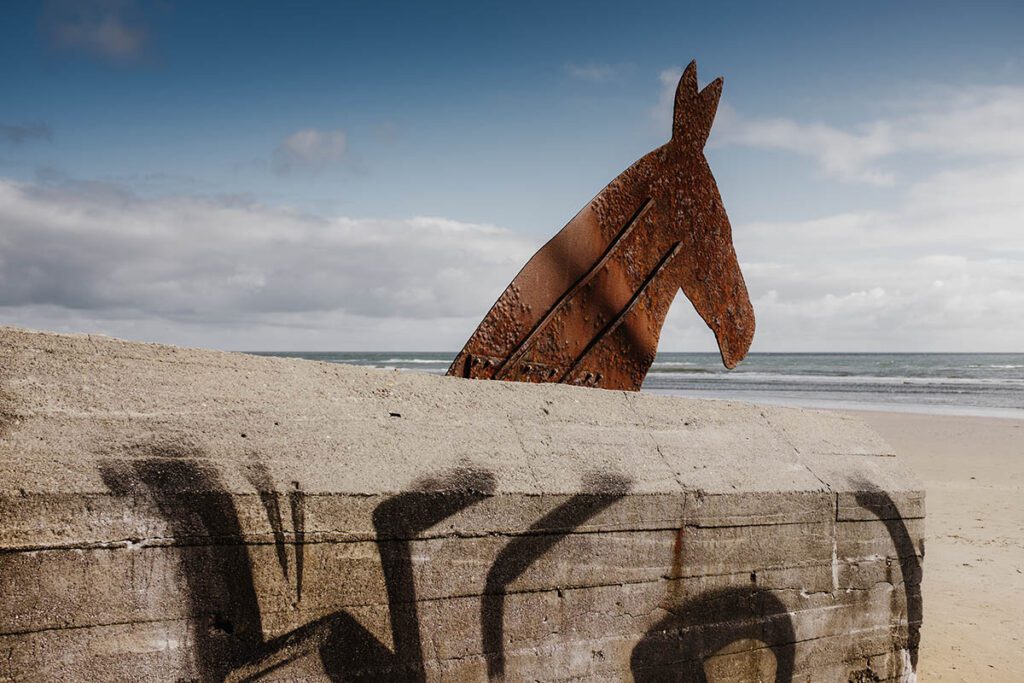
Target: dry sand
<point x="973" y="589"/>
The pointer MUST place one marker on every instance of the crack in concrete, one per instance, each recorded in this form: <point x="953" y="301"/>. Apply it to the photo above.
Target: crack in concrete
<point x="630" y="401"/>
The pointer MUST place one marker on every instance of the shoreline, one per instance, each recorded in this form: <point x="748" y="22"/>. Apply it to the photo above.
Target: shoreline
<point x="840" y="405"/>
<point x="972" y="468"/>
<point x="974" y="384"/>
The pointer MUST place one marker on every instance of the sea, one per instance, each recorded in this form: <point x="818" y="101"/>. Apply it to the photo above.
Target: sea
<point x="985" y="384"/>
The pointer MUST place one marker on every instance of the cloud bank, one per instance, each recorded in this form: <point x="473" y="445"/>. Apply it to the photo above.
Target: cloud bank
<point x="944" y="271"/>
<point x="101" y="256"/>
<point x="962" y="123"/>
<point x="940" y="269"/>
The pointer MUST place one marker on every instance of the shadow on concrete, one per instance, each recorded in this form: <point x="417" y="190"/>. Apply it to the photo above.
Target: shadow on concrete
<point x="214" y="563"/>
<point x="881" y="504"/>
<point x="600" y="492"/>
<point x="218" y="576"/>
<point x="676" y="647"/>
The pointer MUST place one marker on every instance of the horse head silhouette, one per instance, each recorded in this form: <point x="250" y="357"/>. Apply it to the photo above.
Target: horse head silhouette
<point x="588" y="308"/>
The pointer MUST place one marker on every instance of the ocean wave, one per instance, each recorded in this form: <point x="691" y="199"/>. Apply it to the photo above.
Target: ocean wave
<point x="432" y="371"/>
<point x="680" y="371"/>
<point x="774" y="378"/>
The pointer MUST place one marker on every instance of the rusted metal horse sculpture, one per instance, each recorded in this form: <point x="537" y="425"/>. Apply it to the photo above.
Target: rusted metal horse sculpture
<point x="588" y="308"/>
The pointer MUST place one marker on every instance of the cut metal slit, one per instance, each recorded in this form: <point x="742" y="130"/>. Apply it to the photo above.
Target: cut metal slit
<point x="617" y="320"/>
<point x="524" y="346"/>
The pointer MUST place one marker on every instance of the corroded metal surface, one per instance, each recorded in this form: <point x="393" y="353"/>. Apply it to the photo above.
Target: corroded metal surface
<point x="589" y="306"/>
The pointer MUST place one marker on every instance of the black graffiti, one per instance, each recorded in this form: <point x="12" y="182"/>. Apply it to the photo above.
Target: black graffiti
<point x="215" y="565"/>
<point x="882" y="506"/>
<point x="347" y="650"/>
<point x="258" y="475"/>
<point x="397" y="521"/>
<point x="219" y="581"/>
<point x="296" y="501"/>
<point x="221" y="595"/>
<point x="523" y="551"/>
<point x="674" y="649"/>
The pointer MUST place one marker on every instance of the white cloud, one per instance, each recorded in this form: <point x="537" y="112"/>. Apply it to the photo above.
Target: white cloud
<point x="942" y="268"/>
<point x="868" y="302"/>
<point x="843" y="155"/>
<point x="943" y="271"/>
<point x="940" y="272"/>
<point x="971" y="123"/>
<point x="310" y="149"/>
<point x="96" y="253"/>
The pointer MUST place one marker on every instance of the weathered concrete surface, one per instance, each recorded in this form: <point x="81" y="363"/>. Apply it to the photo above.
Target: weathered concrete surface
<point x="170" y="513"/>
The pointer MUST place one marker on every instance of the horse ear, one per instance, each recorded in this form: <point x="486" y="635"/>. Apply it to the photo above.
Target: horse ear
<point x="694" y="111"/>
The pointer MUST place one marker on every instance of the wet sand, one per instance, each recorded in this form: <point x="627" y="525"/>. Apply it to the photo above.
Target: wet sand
<point x="973" y="588"/>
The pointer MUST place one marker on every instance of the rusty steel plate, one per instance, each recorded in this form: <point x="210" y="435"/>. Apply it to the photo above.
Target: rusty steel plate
<point x="588" y="308"/>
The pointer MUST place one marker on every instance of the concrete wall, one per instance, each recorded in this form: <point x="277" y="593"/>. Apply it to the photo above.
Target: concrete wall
<point x="170" y="513"/>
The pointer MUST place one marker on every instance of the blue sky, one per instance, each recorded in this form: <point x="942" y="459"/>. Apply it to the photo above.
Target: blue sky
<point x="357" y="175"/>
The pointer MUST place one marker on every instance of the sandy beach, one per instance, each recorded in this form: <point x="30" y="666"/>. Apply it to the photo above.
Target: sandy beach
<point x="973" y="472"/>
